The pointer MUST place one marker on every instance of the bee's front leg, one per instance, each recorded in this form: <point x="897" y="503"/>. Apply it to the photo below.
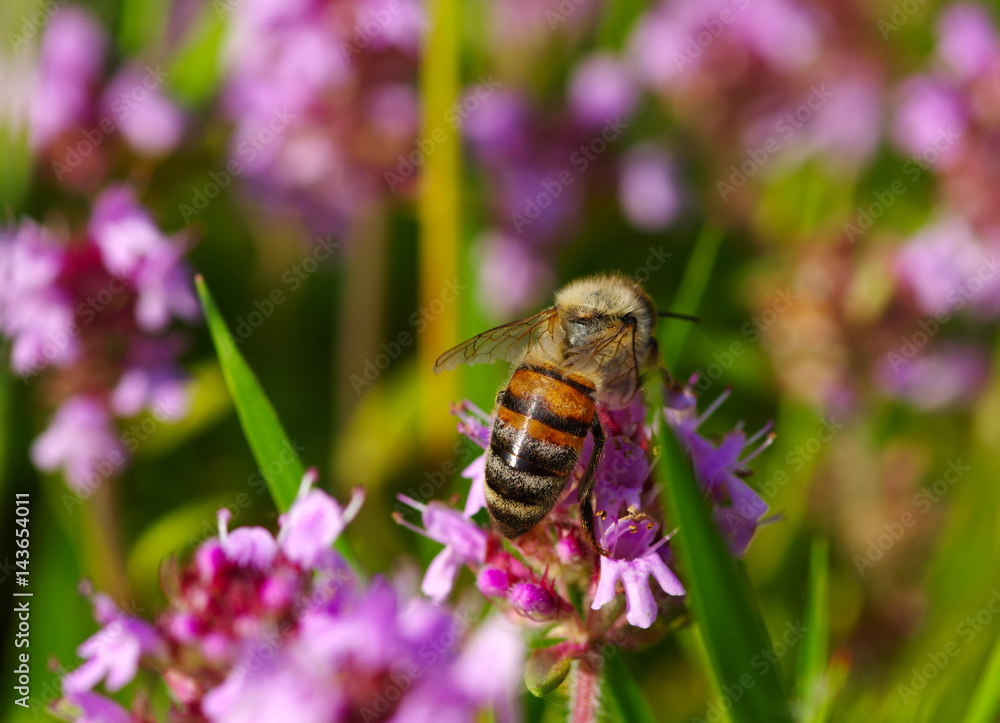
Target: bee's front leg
<point x="585" y="491"/>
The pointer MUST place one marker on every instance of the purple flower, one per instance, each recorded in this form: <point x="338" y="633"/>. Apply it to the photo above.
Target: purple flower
<point x="80" y="440"/>
<point x="133" y="248"/>
<point x="149" y="121"/>
<point x="71" y="57"/>
<point x="648" y="188"/>
<point x="967" y="40"/>
<point x="251" y="547"/>
<point x="674" y="39"/>
<point x="314" y="522"/>
<point x="498" y="130"/>
<point x="252" y="632"/>
<point x="113" y="653"/>
<point x="493" y="582"/>
<point x="947" y="266"/>
<point x="533" y="601"/>
<point x="719" y="469"/>
<point x="600" y="89"/>
<point x="34" y="311"/>
<point x="124" y="231"/>
<point x="489" y="669"/>
<point x="633" y="556"/>
<point x="87" y="707"/>
<point x="151" y="380"/>
<point x="464" y="541"/>
<point x="286" y="684"/>
<point x="934" y="380"/>
<point x="512" y="276"/>
<point x="930" y="114"/>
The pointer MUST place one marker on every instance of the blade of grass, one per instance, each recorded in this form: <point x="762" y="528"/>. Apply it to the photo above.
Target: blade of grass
<point x="985" y="705"/>
<point x="626" y="695"/>
<point x="693" y="285"/>
<point x="194" y="72"/>
<point x="268" y="441"/>
<point x="815" y="651"/>
<point x="272" y="450"/>
<point x="735" y="637"/>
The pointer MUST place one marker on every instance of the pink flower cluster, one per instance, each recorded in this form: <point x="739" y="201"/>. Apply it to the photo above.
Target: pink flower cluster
<point x="551" y="579"/>
<point x="91" y="314"/>
<point x="263" y="627"/>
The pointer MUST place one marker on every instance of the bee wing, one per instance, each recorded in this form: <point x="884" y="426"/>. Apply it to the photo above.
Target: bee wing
<point x="509" y="342"/>
<point x="612" y="359"/>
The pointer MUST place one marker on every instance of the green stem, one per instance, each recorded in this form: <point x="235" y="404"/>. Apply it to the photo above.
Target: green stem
<point x="689" y="295"/>
<point x="439" y="215"/>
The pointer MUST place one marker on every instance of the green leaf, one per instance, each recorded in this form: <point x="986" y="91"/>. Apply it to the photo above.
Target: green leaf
<point x="272" y="449"/>
<point x="985" y="706"/>
<point x="814" y="653"/>
<point x="626" y="696"/>
<point x="194" y="72"/>
<point x="734" y="634"/>
<point x="692" y="288"/>
<point x="546" y="669"/>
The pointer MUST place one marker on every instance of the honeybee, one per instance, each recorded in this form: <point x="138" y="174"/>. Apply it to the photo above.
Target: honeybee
<point x="589" y="347"/>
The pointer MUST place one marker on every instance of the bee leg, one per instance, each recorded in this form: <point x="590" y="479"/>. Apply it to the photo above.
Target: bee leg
<point x="585" y="492"/>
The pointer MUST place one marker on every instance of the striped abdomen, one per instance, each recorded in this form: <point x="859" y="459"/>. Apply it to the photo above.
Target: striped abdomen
<point x="541" y="421"/>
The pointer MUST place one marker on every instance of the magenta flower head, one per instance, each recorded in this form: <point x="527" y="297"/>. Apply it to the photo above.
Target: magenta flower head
<point x="967" y="41"/>
<point x="72" y="54"/>
<point x="464" y="541"/>
<point x="323" y="100"/>
<point x="113" y="653"/>
<point x="262" y="627"/>
<point x="628" y="594"/>
<point x="35" y="310"/>
<point x="720" y="468"/>
<point x="91" y="315"/>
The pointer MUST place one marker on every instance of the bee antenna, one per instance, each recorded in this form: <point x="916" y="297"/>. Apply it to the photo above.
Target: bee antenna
<point x="672" y="315"/>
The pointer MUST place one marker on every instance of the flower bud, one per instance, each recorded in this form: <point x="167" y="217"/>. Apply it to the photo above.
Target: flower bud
<point x="533" y="601"/>
<point x="492" y="582"/>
